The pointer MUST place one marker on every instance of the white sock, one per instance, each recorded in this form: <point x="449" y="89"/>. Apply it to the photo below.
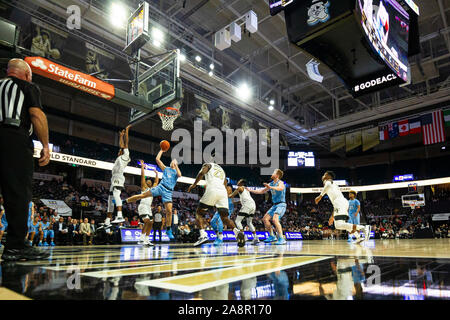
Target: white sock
<point x="119" y="214"/>
<point x="203" y="234"/>
<point x="236" y="231"/>
<point x="142" y="237"/>
<point x="107" y="221"/>
<point x="255" y="237"/>
<point x="271" y="232"/>
<point x="220" y="236"/>
<point x="356" y="234"/>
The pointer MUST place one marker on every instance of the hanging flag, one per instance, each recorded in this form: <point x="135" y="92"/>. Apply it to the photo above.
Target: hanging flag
<point x="370" y="138"/>
<point x="337" y="142"/>
<point x="415" y="126"/>
<point x="433" y="128"/>
<point x="353" y="140"/>
<point x="447" y="118"/>
<point x="403" y="127"/>
<point x="393" y="130"/>
<point x="384" y="133"/>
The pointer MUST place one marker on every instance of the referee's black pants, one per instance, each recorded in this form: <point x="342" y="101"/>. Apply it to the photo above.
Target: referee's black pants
<point x="16" y="178"/>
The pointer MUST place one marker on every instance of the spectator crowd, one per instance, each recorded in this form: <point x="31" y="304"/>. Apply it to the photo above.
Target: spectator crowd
<point x="89" y="204"/>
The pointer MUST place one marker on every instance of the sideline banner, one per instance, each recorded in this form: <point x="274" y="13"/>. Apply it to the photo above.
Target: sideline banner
<point x="133" y="235"/>
<point x="59" y="205"/>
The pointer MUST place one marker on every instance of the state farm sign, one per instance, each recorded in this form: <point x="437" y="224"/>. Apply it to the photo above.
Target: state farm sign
<point x="69" y="77"/>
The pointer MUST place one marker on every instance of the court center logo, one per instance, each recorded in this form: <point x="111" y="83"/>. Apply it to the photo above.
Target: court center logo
<point x="229" y="149"/>
<point x="318" y="12"/>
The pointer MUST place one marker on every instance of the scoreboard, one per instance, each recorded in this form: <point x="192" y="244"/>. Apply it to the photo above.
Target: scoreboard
<point x="138" y="29"/>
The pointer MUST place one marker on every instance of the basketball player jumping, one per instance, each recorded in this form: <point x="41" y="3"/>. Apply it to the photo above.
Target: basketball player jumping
<point x="276" y="212"/>
<point x="164" y="189"/>
<point x="340" y="204"/>
<point x="145" y="207"/>
<point x="248" y="207"/>
<point x="118" y="179"/>
<point x="215" y="196"/>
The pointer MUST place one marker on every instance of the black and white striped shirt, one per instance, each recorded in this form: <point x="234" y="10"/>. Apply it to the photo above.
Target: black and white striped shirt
<point x="16" y="97"/>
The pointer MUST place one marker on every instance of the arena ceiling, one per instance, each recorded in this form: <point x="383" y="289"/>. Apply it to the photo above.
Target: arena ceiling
<point x="306" y="111"/>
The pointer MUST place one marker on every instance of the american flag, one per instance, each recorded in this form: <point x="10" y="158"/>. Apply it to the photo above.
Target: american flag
<point x="433" y="128"/>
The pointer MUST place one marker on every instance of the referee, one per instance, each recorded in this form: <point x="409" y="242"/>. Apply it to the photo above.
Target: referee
<point x="20" y="113"/>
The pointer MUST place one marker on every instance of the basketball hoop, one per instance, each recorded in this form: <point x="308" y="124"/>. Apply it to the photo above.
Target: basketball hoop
<point x="168" y="117"/>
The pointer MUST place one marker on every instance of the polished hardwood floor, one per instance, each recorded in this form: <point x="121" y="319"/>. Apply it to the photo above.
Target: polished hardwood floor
<point x="327" y="269"/>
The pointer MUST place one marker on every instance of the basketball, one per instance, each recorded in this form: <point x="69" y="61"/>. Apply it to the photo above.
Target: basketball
<point x="165" y="145"/>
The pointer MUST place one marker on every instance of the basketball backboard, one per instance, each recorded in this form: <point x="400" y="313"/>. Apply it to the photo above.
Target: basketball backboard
<point x="160" y="86"/>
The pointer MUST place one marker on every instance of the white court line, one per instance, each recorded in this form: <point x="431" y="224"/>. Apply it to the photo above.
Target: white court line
<point x="162" y="283"/>
<point x="142" y="270"/>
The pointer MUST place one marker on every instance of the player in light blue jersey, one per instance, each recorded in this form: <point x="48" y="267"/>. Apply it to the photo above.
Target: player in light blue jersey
<point x="35" y="228"/>
<point x="164" y="189"/>
<point x="217" y="224"/>
<point x="47" y="231"/>
<point x="278" y="190"/>
<point x="3" y="222"/>
<point x="354" y="210"/>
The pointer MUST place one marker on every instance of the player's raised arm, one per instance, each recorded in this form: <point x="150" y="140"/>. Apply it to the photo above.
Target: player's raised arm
<point x="156" y="182"/>
<point x="143" y="183"/>
<point x="125" y="140"/>
<point x="159" y="162"/>
<point x="203" y="171"/>
<point x="177" y="168"/>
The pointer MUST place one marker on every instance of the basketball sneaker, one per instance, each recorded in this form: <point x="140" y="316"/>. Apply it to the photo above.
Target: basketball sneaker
<point x="170" y="234"/>
<point x="240" y="239"/>
<point x="280" y="241"/>
<point x="270" y="239"/>
<point x="201" y="241"/>
<point x="52" y="244"/>
<point x="26" y="253"/>
<point x="45" y="244"/>
<point x="119" y="219"/>
<point x="255" y="241"/>
<point x="218" y="242"/>
<point x="148" y="244"/>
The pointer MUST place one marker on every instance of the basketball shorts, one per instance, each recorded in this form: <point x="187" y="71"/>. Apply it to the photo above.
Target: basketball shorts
<point x="163" y="192"/>
<point x="247" y="211"/>
<point x="215" y="197"/>
<point x="278" y="209"/>
<point x="49" y="233"/>
<point x="145" y="211"/>
<point x="341" y="208"/>
<point x="352" y="219"/>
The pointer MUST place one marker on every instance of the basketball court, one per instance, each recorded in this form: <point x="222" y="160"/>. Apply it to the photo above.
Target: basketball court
<point x="327" y="86"/>
<point x="323" y="269"/>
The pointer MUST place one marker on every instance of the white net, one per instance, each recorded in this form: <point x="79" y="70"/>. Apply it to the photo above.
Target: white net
<point x="168" y="117"/>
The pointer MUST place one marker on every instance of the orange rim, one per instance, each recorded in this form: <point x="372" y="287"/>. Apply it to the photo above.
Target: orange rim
<point x="170" y="115"/>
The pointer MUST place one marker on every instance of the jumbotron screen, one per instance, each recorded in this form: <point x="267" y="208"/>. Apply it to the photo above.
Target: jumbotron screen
<point x="276" y="6"/>
<point x="136" y="25"/>
<point x="386" y="25"/>
<point x="301" y="159"/>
